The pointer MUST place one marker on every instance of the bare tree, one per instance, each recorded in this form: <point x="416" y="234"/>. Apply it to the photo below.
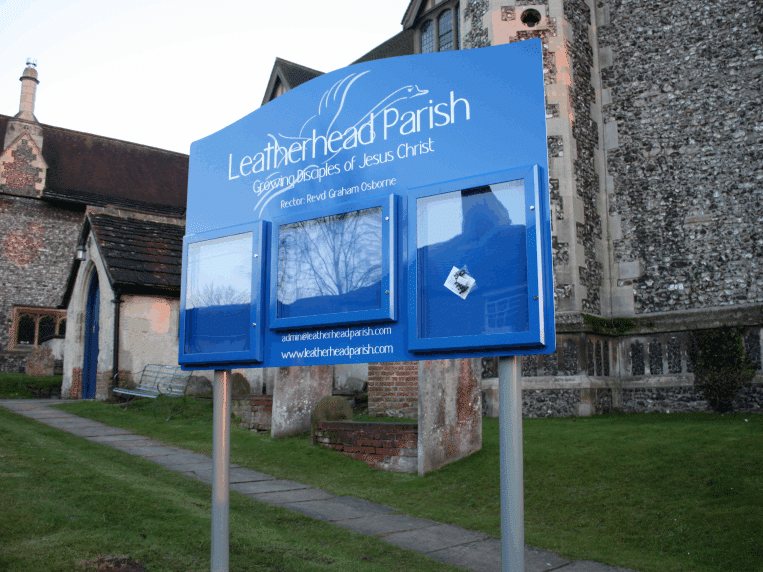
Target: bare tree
<point x="211" y="295"/>
<point x="329" y="256"/>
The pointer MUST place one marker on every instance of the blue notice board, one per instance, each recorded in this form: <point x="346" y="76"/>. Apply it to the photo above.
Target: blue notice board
<point x="388" y="211"/>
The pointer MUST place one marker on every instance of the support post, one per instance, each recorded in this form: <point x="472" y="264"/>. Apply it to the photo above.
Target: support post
<point x="512" y="471"/>
<point x="221" y="470"/>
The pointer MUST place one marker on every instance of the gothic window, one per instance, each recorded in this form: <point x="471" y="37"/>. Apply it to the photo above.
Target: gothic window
<point x="439" y="31"/>
<point x="446" y="31"/>
<point x="427" y="37"/>
<point x="31" y="326"/>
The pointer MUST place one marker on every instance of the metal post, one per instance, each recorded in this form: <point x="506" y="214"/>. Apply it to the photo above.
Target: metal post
<point x="221" y="471"/>
<point x="512" y="474"/>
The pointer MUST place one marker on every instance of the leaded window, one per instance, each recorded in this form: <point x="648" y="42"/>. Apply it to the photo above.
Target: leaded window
<point x="446" y="31"/>
<point x="427" y="37"/>
<point x="439" y="30"/>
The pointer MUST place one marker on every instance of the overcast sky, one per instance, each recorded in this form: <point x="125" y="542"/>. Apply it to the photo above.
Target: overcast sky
<point x="166" y="73"/>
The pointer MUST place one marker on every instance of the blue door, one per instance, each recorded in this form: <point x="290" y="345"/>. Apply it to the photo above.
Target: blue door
<point x="90" y="365"/>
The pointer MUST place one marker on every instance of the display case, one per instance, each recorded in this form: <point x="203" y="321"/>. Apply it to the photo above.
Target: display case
<point x="474" y="252"/>
<point x="336" y="268"/>
<point x="222" y="292"/>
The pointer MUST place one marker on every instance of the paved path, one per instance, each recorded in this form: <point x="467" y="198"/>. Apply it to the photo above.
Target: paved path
<point x="467" y="549"/>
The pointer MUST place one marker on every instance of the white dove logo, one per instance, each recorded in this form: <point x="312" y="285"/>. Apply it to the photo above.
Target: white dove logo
<point x="344" y="131"/>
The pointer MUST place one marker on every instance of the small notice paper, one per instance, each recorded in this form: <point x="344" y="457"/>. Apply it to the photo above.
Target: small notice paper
<point x="459" y="282"/>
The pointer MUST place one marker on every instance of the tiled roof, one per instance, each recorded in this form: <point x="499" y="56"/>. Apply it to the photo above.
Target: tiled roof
<point x="81" y="198"/>
<point x="105" y="167"/>
<point x="400" y="45"/>
<point x="140" y="255"/>
<point x="295" y="74"/>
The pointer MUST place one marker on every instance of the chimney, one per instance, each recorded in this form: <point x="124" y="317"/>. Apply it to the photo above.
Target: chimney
<point x="29" y="83"/>
<point x="24" y="120"/>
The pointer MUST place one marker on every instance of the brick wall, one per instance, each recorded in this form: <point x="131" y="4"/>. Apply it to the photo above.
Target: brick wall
<point x="393" y="389"/>
<point x="75" y="392"/>
<point x="387" y="446"/>
<point x="255" y="411"/>
<point x="104" y="382"/>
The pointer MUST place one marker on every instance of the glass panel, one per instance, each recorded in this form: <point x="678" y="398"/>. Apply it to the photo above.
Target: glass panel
<point x="47" y="328"/>
<point x="472" y="262"/>
<point x="427" y="37"/>
<point x="330" y="264"/>
<point x="62" y="327"/>
<point x="446" y="31"/>
<point x="26" y="328"/>
<point x="219" y="294"/>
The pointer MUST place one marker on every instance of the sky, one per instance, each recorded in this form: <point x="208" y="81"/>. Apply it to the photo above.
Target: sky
<point x="166" y="73"/>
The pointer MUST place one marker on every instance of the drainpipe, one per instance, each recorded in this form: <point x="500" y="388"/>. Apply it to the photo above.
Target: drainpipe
<point x="117" y="301"/>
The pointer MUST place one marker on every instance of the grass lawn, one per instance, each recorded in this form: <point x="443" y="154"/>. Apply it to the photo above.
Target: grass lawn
<point x="652" y="492"/>
<point x="67" y="504"/>
<point x="20" y="386"/>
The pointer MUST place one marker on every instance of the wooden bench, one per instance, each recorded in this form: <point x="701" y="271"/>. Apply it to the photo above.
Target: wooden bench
<point x="160" y="382"/>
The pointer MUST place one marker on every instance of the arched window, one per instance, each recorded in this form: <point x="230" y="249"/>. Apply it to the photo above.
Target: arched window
<point x="446" y="31"/>
<point x="427" y="37"/>
<point x="439" y="30"/>
<point x="25" y="330"/>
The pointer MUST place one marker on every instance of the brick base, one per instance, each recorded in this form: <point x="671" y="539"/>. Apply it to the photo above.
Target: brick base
<point x="75" y="391"/>
<point x="387" y="446"/>
<point x="393" y="389"/>
<point x="255" y="411"/>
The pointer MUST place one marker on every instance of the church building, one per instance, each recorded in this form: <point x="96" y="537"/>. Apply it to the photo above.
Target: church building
<point x="655" y="147"/>
<point x="656" y="179"/>
<point x="51" y="181"/>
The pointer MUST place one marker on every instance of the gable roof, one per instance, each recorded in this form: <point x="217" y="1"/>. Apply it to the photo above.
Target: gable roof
<point x="290" y="74"/>
<point x="401" y="44"/>
<point x="139" y="253"/>
<point x="411" y="12"/>
<point x="109" y="168"/>
<point x="140" y="256"/>
<point x="89" y="199"/>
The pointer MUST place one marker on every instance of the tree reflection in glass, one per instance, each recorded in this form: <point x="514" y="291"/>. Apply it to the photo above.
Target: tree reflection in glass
<point x="330" y="264"/>
<point x="218" y="294"/>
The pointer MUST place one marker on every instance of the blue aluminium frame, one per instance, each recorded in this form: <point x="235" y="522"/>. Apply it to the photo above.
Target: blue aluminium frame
<point x="378" y="134"/>
<point x="534" y="213"/>
<point x="259" y="246"/>
<point x="387" y="311"/>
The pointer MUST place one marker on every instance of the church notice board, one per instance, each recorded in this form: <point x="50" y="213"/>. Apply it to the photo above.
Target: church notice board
<point x="388" y="211"/>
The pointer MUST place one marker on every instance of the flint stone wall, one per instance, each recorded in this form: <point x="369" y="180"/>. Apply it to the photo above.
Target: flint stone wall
<point x="684" y="100"/>
<point x="35" y="238"/>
